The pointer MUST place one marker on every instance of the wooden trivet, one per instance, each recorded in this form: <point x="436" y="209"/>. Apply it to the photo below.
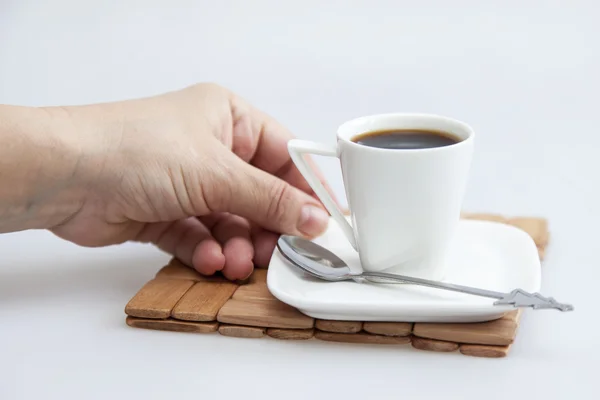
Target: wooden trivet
<point x="180" y="299"/>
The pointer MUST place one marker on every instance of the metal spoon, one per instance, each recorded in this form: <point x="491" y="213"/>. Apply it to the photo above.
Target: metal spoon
<point x="322" y="263"/>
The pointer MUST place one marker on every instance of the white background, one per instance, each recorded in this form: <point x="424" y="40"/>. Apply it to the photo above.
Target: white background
<point x="524" y="74"/>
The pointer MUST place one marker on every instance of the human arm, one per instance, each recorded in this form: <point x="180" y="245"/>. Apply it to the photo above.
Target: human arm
<point x="39" y="155"/>
<point x="199" y="172"/>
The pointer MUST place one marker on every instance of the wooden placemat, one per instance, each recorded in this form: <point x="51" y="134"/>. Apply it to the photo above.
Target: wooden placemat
<point x="180" y="299"/>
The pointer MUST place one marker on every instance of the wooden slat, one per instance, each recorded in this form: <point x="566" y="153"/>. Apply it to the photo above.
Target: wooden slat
<point x="256" y="288"/>
<point x="498" y="332"/>
<point x="338" y="326"/>
<point x="433" y="345"/>
<point x="203" y="301"/>
<point x="484" y="217"/>
<point x="242" y="331"/>
<point x="291" y="334"/>
<point x="514" y="315"/>
<point x="258" y="276"/>
<point x="176" y="270"/>
<point x="157" y="298"/>
<point x="537" y="228"/>
<point x="361" y="338"/>
<point x="253" y="292"/>
<point x="492" y="351"/>
<point x="269" y="314"/>
<point x="172" y="325"/>
<point x="477" y="350"/>
<point x="389" y="328"/>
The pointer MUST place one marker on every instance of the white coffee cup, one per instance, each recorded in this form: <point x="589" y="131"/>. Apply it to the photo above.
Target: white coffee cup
<point x="404" y="204"/>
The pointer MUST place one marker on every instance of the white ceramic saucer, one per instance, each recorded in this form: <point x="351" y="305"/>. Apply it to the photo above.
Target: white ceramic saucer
<point x="484" y="254"/>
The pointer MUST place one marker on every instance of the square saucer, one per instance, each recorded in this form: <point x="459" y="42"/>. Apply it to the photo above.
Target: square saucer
<point x="483" y="254"/>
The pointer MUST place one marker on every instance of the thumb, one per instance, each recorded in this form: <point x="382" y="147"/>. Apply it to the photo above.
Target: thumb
<point x="267" y="200"/>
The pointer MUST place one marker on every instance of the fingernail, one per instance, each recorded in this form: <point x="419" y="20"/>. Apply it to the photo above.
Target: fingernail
<point x="247" y="278"/>
<point x="313" y="220"/>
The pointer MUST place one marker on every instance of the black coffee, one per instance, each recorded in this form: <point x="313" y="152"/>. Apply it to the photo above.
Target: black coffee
<point x="406" y="139"/>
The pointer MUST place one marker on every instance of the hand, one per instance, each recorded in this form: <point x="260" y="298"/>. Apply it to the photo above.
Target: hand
<point x="199" y="172"/>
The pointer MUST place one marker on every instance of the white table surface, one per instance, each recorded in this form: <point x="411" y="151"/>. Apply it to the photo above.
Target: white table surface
<point x="523" y="74"/>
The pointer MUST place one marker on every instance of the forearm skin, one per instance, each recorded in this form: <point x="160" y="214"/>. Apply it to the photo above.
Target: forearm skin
<point x="39" y="159"/>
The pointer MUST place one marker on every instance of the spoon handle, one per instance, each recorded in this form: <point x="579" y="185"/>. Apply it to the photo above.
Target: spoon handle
<point x="517" y="297"/>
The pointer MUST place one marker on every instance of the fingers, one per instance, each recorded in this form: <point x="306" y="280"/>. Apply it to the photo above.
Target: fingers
<point x="228" y="248"/>
<point x="264" y="245"/>
<point x="265" y="199"/>
<point x="262" y="141"/>
<point x="233" y="233"/>
<point x="257" y="244"/>
<point x="189" y="241"/>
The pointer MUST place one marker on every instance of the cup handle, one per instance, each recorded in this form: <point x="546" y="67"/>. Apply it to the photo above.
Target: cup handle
<point x="297" y="148"/>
